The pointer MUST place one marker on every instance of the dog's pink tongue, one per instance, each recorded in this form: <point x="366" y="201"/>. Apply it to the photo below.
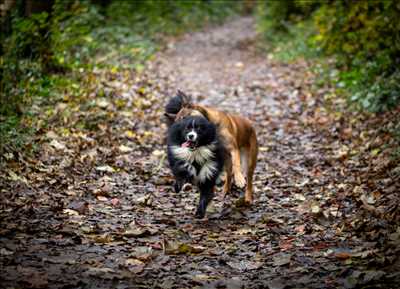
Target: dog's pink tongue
<point x="186" y="144"/>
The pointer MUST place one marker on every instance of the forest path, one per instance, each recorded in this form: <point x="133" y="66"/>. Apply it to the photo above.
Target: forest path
<point x="96" y="208"/>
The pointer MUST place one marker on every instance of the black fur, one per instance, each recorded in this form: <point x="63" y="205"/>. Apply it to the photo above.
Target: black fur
<point x="174" y="105"/>
<point x="186" y="170"/>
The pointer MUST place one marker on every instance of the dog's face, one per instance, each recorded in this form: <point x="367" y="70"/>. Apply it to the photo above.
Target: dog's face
<point x="197" y="131"/>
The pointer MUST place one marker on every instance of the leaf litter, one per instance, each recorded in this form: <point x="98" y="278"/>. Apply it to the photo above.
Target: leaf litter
<point x="94" y="206"/>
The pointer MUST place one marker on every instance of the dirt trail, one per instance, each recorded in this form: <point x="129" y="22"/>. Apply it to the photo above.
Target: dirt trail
<point x="219" y="66"/>
<point x="100" y="211"/>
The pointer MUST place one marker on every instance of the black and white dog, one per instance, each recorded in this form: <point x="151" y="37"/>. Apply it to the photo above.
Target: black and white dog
<point x="196" y="155"/>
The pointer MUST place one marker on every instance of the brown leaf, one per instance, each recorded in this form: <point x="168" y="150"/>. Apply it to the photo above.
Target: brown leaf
<point x="34" y="278"/>
<point x="343" y="255"/>
<point x="281" y="259"/>
<point x="244" y="265"/>
<point x="81" y="207"/>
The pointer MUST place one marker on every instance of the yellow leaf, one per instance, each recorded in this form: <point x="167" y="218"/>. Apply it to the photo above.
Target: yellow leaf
<point x="375" y="152"/>
<point x="130" y="133"/>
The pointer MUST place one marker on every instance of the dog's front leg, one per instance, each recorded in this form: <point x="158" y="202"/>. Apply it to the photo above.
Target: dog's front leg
<point x="184" y="173"/>
<point x="178" y="185"/>
<point x="206" y="195"/>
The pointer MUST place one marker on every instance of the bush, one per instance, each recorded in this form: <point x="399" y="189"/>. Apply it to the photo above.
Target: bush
<point x="364" y="37"/>
<point x="277" y="17"/>
<point x="363" y="34"/>
<point x="41" y="53"/>
<point x="39" y="45"/>
<point x="168" y="17"/>
<point x="80" y="34"/>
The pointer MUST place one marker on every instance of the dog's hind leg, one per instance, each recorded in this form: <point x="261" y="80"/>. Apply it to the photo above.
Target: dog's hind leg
<point x="251" y="155"/>
<point x="228" y="176"/>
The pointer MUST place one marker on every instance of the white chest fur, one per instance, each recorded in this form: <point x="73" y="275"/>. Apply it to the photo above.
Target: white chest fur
<point x="202" y="155"/>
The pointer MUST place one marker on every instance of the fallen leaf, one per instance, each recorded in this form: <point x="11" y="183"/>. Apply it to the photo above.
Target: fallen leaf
<point x="143" y="253"/>
<point x="58" y="145"/>
<point x="34" y="278"/>
<point x="105" y="168"/>
<point x="79" y="206"/>
<point x="299" y="197"/>
<point x="281" y="259"/>
<point x="175" y="247"/>
<point x="102" y="102"/>
<point x="5" y="252"/>
<point x="134" y="265"/>
<point x="342" y="255"/>
<point x="125" y="149"/>
<point x="277" y="283"/>
<point x="115" y="202"/>
<point x="14" y="177"/>
<point x="70" y="212"/>
<point x="158" y="153"/>
<point x="186" y="248"/>
<point x="135" y="232"/>
<point x="315" y="209"/>
<point x="244" y="265"/>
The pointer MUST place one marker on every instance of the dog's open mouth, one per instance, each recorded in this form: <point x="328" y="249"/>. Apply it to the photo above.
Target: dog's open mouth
<point x="189" y="144"/>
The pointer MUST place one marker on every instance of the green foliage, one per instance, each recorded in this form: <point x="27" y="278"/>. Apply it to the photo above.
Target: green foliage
<point x="276" y="17"/>
<point x="363" y="36"/>
<point x="21" y="50"/>
<point x="43" y="54"/>
<point x="357" y="29"/>
<point x="293" y="44"/>
<point x="168" y="17"/>
<point x="12" y="133"/>
<point x="286" y="29"/>
<point x="72" y="24"/>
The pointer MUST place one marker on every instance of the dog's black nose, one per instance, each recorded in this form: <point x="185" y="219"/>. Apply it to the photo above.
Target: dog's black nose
<point x="191" y="136"/>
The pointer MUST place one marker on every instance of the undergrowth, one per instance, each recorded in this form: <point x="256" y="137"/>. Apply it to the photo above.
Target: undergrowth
<point x="357" y="40"/>
<point x="46" y="56"/>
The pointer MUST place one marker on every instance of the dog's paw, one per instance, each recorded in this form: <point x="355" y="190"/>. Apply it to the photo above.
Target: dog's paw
<point x="248" y="200"/>
<point x="177" y="187"/>
<point x="248" y="197"/>
<point x="240" y="181"/>
<point x="200" y="214"/>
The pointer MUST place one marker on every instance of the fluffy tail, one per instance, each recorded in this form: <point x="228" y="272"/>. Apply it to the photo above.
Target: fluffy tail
<point x="174" y="105"/>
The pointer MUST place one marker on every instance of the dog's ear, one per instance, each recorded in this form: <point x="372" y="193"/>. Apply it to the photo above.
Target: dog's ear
<point x="186" y="99"/>
<point x="170" y="116"/>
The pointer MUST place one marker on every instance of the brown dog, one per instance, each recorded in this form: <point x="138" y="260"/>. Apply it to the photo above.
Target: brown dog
<point x="238" y="135"/>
